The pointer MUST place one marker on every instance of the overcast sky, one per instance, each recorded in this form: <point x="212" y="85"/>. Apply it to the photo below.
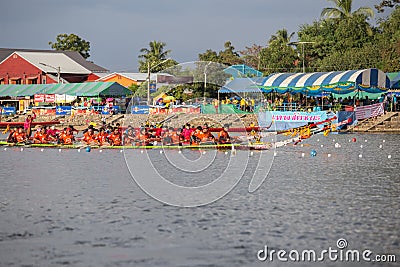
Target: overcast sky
<point x="117" y="29"/>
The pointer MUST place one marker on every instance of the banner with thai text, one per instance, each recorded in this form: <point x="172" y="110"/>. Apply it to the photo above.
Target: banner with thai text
<point x="284" y="120"/>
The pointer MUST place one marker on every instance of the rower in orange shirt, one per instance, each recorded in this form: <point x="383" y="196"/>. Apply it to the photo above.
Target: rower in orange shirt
<point x="89" y="137"/>
<point x="115" y="138"/>
<point x="40" y="136"/>
<point x="223" y="136"/>
<point x="67" y="137"/>
<point x="20" y="136"/>
<point x="102" y="138"/>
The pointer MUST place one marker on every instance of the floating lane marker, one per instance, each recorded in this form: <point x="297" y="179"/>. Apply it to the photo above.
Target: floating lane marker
<point x="251" y="153"/>
<point x="79" y="150"/>
<point x="42" y="149"/>
<point x="141" y="151"/>
<point x="383" y="141"/>
<point x="380" y="146"/>
<point x="5" y="149"/>
<point x="59" y="150"/>
<point x="226" y="152"/>
<point x="366" y="140"/>
<point x="275" y="153"/>
<point x="179" y="152"/>
<point x="100" y="150"/>
<point x="360" y="156"/>
<point x="22" y="149"/>
<point x="302" y="155"/>
<point x="389" y="156"/>
<point x="322" y="145"/>
<point x="361" y="146"/>
<point x="204" y="152"/>
<point x="329" y="155"/>
<point x="160" y="151"/>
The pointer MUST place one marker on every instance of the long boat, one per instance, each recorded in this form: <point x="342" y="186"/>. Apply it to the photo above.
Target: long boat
<point x="259" y="146"/>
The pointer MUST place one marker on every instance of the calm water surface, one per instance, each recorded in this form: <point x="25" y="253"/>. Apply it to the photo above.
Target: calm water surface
<point x="84" y="209"/>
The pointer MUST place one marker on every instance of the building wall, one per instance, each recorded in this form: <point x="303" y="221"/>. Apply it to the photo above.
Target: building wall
<point x="120" y="79"/>
<point x="15" y="69"/>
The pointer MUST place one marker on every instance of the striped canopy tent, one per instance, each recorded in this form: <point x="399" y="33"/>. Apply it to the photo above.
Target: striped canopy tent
<point x="73" y="89"/>
<point x="243" y="85"/>
<point x="338" y="82"/>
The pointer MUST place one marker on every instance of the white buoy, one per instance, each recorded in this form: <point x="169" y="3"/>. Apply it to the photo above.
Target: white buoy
<point x="5" y="149"/>
<point x="42" y="149"/>
<point x="361" y="146"/>
<point x="226" y="152"/>
<point x="383" y="141"/>
<point x="349" y="140"/>
<point x="366" y="140"/>
<point x="380" y="146"/>
<point x="389" y="156"/>
<point x="141" y="151"/>
<point x="329" y="155"/>
<point x="322" y="145"/>
<point x="337" y="145"/>
<point x="100" y="150"/>
<point x="301" y="145"/>
<point x="179" y="152"/>
<point x="302" y="155"/>
<point x="79" y="150"/>
<point x="251" y="153"/>
<point x="160" y="151"/>
<point x="121" y="151"/>
<point x="333" y="140"/>
<point x="317" y="140"/>
<point x="204" y="152"/>
<point x="275" y="153"/>
<point x="360" y="156"/>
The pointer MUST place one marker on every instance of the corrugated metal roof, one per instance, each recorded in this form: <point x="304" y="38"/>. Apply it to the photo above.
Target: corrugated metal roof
<point x="135" y="76"/>
<point x="74" y="55"/>
<point x="66" y="64"/>
<point x="74" y="89"/>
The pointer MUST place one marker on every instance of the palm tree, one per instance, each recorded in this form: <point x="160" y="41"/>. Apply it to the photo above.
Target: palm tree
<point x="154" y="55"/>
<point x="282" y="37"/>
<point x="343" y="10"/>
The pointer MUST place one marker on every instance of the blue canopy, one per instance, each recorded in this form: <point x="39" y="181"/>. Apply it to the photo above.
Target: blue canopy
<point x="394" y="79"/>
<point x="339" y="82"/>
<point x="243" y="85"/>
<point x="239" y="71"/>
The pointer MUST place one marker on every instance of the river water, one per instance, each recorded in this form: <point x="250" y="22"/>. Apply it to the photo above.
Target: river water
<point x="84" y="209"/>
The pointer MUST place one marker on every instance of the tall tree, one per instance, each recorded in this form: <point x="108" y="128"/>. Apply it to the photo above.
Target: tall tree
<point x="343" y="9"/>
<point x="229" y="56"/>
<point x="279" y="56"/>
<point x="252" y="55"/>
<point x="71" y="42"/>
<point x="155" y="55"/>
<point x="386" y="4"/>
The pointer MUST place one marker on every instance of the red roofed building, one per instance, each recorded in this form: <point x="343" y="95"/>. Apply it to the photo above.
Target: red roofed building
<point x="26" y="66"/>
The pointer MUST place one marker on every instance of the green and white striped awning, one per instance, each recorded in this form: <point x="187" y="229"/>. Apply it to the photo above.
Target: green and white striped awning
<point x="74" y="89"/>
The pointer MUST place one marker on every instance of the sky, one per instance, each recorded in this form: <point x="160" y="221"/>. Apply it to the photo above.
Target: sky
<point x="118" y="29"/>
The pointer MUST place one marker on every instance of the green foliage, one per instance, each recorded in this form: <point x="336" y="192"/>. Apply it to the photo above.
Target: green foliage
<point x="228" y="56"/>
<point x="279" y="56"/>
<point x="156" y="56"/>
<point x="134" y="87"/>
<point x="71" y="42"/>
<point x="343" y="9"/>
<point x="386" y="4"/>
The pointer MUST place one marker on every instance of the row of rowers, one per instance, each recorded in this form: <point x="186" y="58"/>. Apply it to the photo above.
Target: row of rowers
<point x="109" y="136"/>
